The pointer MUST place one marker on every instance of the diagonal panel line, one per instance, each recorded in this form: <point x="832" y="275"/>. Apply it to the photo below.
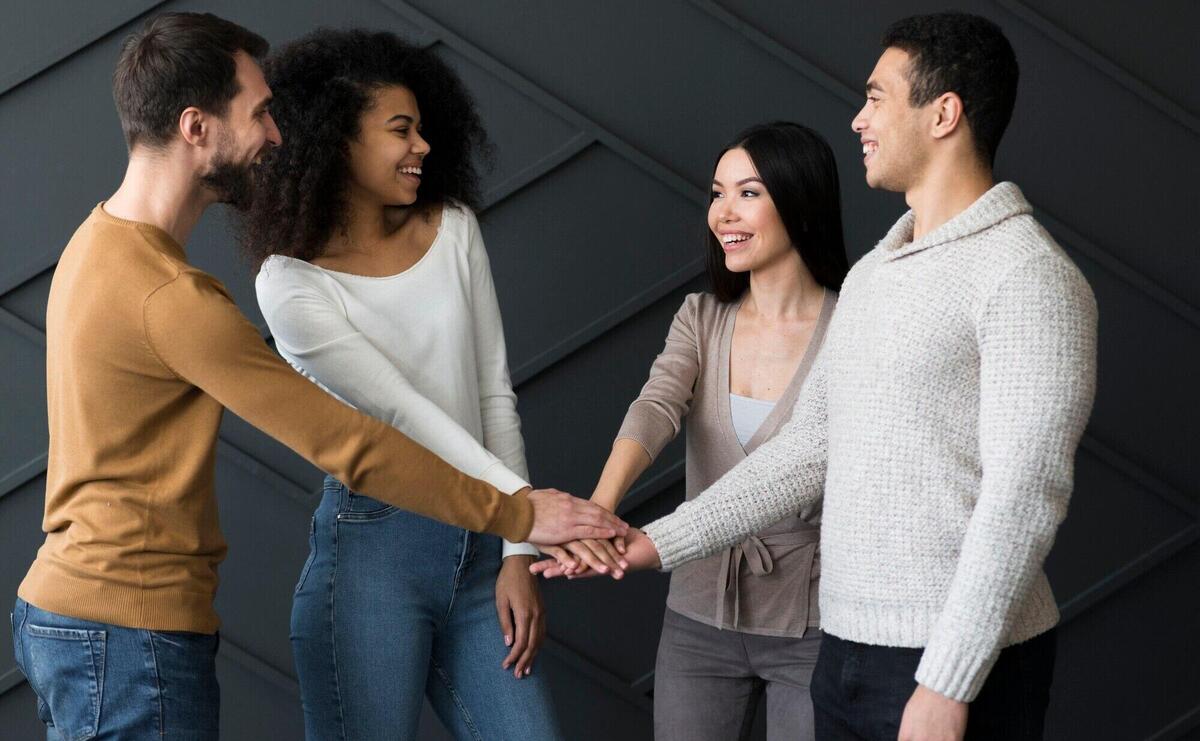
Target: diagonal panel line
<point x="539" y="169"/>
<point x="1109" y="261"/>
<point x="10" y="680"/>
<point x="1128" y="573"/>
<point x="1140" y="476"/>
<point x="1176" y="729"/>
<point x="69" y="48"/>
<point x="606" y="679"/>
<point x="505" y="74"/>
<point x="589" y="332"/>
<point x="1102" y="64"/>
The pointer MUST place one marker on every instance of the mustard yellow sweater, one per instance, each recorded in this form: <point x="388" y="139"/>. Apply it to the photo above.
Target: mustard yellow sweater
<point x="143" y="353"/>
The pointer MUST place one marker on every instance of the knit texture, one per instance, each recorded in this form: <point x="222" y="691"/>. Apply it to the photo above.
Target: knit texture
<point x="940" y="423"/>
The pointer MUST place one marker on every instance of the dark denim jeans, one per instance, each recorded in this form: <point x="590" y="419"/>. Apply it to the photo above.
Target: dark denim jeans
<point x="95" y="680"/>
<point x="392" y="606"/>
<point x="859" y="691"/>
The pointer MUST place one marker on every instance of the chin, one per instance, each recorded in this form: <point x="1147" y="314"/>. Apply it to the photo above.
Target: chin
<point x="738" y="264"/>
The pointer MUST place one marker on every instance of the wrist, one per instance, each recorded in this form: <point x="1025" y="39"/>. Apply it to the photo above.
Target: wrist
<point x="607" y="500"/>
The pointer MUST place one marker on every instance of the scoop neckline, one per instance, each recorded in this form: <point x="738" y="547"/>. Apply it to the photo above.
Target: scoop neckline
<point x="437" y="239"/>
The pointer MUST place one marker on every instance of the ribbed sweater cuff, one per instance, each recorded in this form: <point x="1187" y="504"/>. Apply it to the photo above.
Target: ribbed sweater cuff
<point x="647" y="427"/>
<point x="955" y="668"/>
<point x="514" y="519"/>
<point x="675" y="539"/>
<point x="501" y="477"/>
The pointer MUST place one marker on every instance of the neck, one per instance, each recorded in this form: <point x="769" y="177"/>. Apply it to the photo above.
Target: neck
<point x="160" y="192"/>
<point x="945" y="191"/>
<point x="370" y="226"/>
<point x="784" y="290"/>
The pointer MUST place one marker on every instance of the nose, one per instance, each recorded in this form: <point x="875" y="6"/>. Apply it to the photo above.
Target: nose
<point x="859" y="123"/>
<point x="274" y="138"/>
<point x="273" y="132"/>
<point x="420" y="146"/>
<point x="725" y="213"/>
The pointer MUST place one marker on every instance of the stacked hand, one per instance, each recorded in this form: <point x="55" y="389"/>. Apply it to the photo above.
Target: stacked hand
<point x="593" y="557"/>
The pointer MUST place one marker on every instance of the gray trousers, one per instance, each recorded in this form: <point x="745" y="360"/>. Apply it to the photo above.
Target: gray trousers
<point x="708" y="682"/>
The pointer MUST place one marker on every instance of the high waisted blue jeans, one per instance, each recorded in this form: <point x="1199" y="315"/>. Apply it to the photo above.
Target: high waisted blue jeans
<point x="392" y="606"/>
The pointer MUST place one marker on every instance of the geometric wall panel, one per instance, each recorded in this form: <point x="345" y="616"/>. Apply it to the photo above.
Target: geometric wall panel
<point x="605" y="118"/>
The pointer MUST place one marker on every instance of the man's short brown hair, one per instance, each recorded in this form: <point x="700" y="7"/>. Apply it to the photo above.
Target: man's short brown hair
<point x="175" y="61"/>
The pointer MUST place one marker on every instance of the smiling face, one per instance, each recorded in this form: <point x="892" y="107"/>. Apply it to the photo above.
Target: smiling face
<point x="386" y="156"/>
<point x="895" y="144"/>
<point x="243" y="135"/>
<point x="743" y="216"/>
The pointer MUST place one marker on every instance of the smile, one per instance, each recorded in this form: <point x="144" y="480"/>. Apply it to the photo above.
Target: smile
<point x="415" y="171"/>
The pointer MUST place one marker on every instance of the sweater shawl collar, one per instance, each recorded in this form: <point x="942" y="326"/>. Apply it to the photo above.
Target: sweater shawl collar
<point x="1002" y="201"/>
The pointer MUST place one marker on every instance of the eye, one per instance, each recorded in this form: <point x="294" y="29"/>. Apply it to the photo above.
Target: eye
<point x="749" y="193"/>
<point x="717" y="194"/>
<point x="403" y="131"/>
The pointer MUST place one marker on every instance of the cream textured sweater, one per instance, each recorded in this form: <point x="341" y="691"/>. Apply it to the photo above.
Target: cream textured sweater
<point x="940" y="423"/>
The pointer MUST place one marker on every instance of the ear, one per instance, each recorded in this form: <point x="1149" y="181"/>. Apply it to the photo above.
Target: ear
<point x="948" y="115"/>
<point x="194" y="126"/>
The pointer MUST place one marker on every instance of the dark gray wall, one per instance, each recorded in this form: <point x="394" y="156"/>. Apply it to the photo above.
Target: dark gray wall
<point x="607" y="116"/>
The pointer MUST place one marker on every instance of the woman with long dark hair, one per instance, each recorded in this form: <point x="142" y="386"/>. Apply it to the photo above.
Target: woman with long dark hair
<point x="375" y="283"/>
<point x="741" y="624"/>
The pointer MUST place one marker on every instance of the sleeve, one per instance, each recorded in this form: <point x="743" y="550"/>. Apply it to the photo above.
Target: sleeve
<point x="782" y="477"/>
<point x="309" y="324"/>
<point x="197" y="332"/>
<point x="1037" y="346"/>
<point x="498" y="402"/>
<point x="656" y="416"/>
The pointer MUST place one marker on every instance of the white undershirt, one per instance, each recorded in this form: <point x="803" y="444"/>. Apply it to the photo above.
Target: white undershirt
<point x="748" y="415"/>
<point x="422" y="350"/>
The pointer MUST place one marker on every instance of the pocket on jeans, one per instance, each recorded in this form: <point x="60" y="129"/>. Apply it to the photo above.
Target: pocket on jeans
<point x="66" y="671"/>
<point x="312" y="553"/>
<point x="361" y="508"/>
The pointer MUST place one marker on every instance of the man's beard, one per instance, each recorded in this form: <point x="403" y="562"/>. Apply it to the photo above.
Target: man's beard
<point x="233" y="183"/>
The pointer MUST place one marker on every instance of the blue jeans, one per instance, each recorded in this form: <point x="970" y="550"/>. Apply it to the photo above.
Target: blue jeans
<point x="392" y="606"/>
<point x="95" y="680"/>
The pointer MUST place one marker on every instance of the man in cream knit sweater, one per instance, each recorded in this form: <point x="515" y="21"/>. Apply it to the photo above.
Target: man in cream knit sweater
<point x="940" y="422"/>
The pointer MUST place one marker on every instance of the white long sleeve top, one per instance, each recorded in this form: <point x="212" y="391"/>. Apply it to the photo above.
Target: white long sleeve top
<point x="422" y="350"/>
<point x="940" y="423"/>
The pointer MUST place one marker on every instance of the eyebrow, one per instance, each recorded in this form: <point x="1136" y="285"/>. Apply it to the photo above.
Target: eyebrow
<point x="263" y="104"/>
<point x="873" y="86"/>
<point x="743" y="181"/>
<point x="401" y="117"/>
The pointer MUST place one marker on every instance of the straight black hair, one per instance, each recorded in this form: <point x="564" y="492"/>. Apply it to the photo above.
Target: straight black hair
<point x="798" y="170"/>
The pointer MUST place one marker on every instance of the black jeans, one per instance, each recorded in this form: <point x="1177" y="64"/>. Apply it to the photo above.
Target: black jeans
<point x="859" y="691"/>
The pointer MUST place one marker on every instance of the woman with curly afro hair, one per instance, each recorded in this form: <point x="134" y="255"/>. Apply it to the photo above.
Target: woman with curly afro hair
<point x="375" y="283"/>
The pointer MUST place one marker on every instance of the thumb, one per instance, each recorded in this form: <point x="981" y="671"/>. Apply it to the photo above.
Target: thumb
<point x="506" y="621"/>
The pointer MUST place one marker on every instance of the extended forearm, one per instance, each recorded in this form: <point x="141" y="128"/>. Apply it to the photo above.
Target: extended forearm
<point x="627" y="461"/>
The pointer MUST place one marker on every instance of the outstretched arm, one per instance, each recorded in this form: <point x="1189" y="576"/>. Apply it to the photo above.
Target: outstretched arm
<point x="193" y="327"/>
<point x="782" y="477"/>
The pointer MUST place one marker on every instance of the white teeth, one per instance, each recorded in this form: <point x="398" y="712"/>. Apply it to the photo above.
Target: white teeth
<point x="869" y="147"/>
<point x="731" y="238"/>
<point x="410" y="170"/>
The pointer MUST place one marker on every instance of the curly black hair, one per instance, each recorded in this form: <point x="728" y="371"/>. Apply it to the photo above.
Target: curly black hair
<point x="322" y="83"/>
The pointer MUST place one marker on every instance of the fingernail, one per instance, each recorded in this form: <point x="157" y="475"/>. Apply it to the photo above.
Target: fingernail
<point x="527" y="670"/>
<point x="507" y="640"/>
